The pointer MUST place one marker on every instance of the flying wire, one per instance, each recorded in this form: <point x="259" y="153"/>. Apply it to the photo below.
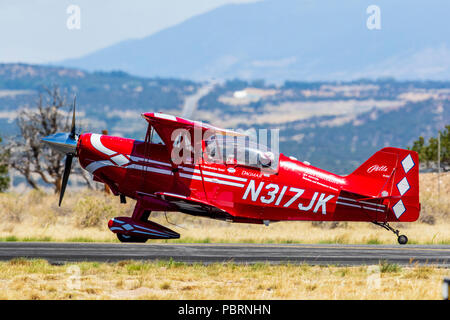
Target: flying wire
<point x="165" y="214"/>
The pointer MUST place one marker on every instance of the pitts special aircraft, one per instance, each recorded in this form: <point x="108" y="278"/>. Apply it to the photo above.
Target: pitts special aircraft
<point x="220" y="185"/>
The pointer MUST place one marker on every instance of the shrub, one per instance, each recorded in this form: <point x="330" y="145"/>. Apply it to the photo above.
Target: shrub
<point x="93" y="211"/>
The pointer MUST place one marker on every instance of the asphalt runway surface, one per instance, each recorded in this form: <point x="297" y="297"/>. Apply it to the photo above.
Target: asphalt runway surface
<point x="438" y="255"/>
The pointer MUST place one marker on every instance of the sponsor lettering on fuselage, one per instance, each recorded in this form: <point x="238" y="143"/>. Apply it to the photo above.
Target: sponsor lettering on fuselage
<point x="285" y="196"/>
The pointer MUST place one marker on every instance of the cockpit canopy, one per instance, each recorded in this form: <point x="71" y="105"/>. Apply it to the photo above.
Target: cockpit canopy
<point x="239" y="150"/>
<point x="189" y="142"/>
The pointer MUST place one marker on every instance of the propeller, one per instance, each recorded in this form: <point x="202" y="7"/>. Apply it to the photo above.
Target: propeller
<point x="65" y="179"/>
<point x="72" y="131"/>
<point x="65" y="142"/>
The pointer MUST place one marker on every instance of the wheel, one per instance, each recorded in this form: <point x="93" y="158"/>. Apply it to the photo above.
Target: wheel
<point x="125" y="238"/>
<point x="402" y="239"/>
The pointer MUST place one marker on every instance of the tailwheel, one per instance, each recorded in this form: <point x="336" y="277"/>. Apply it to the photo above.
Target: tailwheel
<point x="125" y="238"/>
<point x="402" y="239"/>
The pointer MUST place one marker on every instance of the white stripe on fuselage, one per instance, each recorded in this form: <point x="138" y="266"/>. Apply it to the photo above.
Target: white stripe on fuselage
<point x="147" y="168"/>
<point x="365" y="202"/>
<point x="98" y="145"/>
<point x="139" y="159"/>
<point x="226" y="176"/>
<point x="93" y="166"/>
<point x="228" y="183"/>
<point x="358" y="206"/>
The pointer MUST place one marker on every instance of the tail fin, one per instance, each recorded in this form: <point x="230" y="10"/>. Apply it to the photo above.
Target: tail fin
<point x="391" y="175"/>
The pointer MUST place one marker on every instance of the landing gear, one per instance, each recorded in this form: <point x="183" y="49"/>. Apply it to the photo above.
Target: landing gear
<point x="125" y="238"/>
<point x="138" y="215"/>
<point x="402" y="239"/>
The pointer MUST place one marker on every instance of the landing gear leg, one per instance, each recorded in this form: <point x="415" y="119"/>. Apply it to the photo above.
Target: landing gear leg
<point x="402" y="239"/>
<point x="140" y="214"/>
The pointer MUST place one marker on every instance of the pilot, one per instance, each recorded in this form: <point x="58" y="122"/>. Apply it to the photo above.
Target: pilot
<point x="210" y="153"/>
<point x="266" y="158"/>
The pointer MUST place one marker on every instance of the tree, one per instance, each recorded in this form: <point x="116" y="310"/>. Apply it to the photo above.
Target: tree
<point x="28" y="155"/>
<point x="428" y="153"/>
<point x="4" y="178"/>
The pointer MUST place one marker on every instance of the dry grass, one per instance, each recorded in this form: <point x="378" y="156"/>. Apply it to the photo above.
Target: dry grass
<point x="36" y="279"/>
<point x="434" y="204"/>
<point x="83" y="216"/>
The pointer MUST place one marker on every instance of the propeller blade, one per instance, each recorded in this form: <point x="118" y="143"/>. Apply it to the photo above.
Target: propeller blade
<point x="72" y="131"/>
<point x="67" y="168"/>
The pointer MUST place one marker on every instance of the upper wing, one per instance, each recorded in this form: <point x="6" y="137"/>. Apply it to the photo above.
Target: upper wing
<point x="165" y="124"/>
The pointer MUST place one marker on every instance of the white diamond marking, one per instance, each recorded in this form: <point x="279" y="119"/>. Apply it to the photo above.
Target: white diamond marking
<point x="407" y="163"/>
<point x="120" y="160"/>
<point x="127" y="227"/>
<point x="399" y="209"/>
<point x="403" y="186"/>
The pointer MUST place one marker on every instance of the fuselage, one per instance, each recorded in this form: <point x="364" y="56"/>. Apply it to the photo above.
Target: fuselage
<point x="294" y="191"/>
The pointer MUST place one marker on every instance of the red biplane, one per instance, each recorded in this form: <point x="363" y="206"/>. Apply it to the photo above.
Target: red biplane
<point x="221" y="185"/>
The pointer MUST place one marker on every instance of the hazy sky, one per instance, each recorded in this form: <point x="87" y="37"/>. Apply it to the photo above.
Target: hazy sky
<point x="35" y="31"/>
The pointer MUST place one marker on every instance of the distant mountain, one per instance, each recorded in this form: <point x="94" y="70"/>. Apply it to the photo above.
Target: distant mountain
<point x="292" y="39"/>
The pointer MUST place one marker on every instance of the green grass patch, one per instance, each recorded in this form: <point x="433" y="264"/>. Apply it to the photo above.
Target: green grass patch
<point x="326" y="241"/>
<point x="37" y="239"/>
<point x="441" y="242"/>
<point x="171" y="263"/>
<point x="258" y="266"/>
<point x="137" y="267"/>
<point x="9" y="239"/>
<point x="386" y="267"/>
<point x="374" y="241"/>
<point x="83" y="239"/>
<point x="20" y="262"/>
<point x="333" y="241"/>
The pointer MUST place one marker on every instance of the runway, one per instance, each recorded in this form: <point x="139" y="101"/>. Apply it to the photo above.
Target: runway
<point x="438" y="255"/>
